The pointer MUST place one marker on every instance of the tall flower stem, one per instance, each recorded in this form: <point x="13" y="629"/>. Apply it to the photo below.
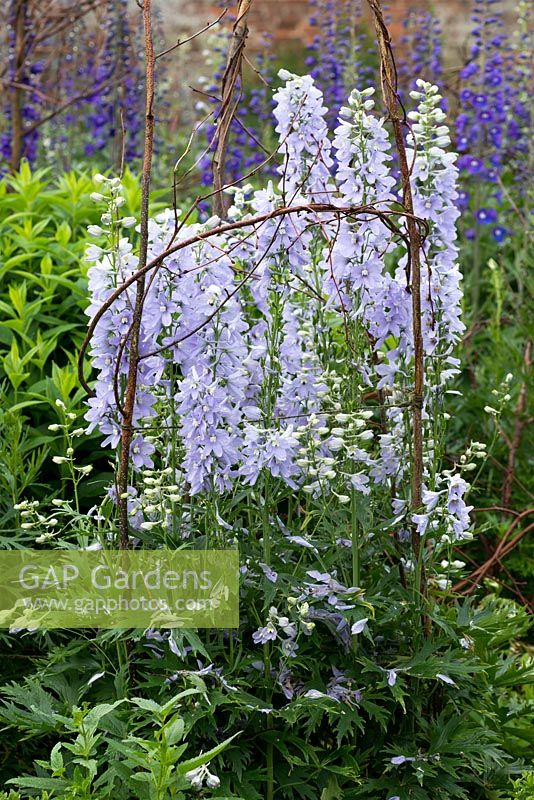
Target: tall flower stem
<point x="269" y="750"/>
<point x="129" y="401"/>
<point x="355" y="537"/>
<point x="475" y="272"/>
<point x="355" y="548"/>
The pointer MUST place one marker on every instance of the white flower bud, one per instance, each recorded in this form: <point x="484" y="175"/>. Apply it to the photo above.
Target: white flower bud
<point x="95" y="230"/>
<point x="147" y="526"/>
<point x="336" y="444"/>
<point x="212" y="781"/>
<point x="86" y="470"/>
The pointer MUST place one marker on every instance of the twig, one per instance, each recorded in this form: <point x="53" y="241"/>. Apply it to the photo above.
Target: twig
<point x="502" y="549"/>
<point x="230" y="100"/>
<point x="181" y="42"/>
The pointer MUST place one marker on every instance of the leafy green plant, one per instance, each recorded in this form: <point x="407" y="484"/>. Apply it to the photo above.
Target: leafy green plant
<point x="43" y="237"/>
<point x="138" y="755"/>
<point x="523" y="788"/>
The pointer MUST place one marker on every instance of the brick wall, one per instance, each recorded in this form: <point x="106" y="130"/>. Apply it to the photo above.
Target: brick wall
<point x="287" y="22"/>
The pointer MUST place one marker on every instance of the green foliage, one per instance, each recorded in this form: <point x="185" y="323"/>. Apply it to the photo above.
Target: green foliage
<point x="124" y="749"/>
<point x="497" y="344"/>
<point x="98" y="715"/>
<point x="458" y="713"/>
<point x="523" y="788"/>
<point x="43" y="291"/>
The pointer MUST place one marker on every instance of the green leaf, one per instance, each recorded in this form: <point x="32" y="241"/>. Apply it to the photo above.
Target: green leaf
<point x="333" y="790"/>
<point x="56" y="759"/>
<point x="93" y="717"/>
<point x="174" y="730"/>
<point x="193" y="763"/>
<point x="147" y="705"/>
<point x="52" y="784"/>
<point x="63" y="233"/>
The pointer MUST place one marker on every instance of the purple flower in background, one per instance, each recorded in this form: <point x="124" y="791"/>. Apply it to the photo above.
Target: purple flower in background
<point x="499" y="233"/>
<point x="485" y="216"/>
<point x="339" y="56"/>
<point x="252" y="117"/>
<point x="491" y="128"/>
<point x="422" y="46"/>
<point x="340" y="688"/>
<point x="25" y="73"/>
<point x="463" y="200"/>
<point x="398" y="760"/>
<point x="391" y="677"/>
<point x="472" y="164"/>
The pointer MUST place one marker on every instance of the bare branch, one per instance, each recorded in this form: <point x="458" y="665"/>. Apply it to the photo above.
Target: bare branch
<point x="230" y="94"/>
<point x="181" y="42"/>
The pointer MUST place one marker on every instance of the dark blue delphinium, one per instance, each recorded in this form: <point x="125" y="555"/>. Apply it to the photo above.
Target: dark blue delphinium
<point x="422" y="46"/>
<point x="116" y="75"/>
<point x="95" y="84"/>
<point x="519" y="136"/>
<point x="493" y="126"/>
<point x="485" y="101"/>
<point x="338" y="57"/>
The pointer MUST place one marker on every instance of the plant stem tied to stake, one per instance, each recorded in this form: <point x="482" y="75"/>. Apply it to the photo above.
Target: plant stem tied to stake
<point x="131" y="386"/>
<point x="393" y="105"/>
